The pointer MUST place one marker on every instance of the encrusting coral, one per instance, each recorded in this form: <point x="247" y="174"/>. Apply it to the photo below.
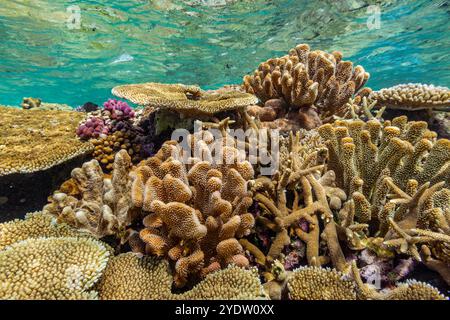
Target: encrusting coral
<point x="188" y="100"/>
<point x="412" y="97"/>
<point x="35" y="225"/>
<point x="304" y="87"/>
<point x="130" y="276"/>
<point x="197" y="211"/>
<point x="103" y="205"/>
<point x="35" y="140"/>
<point x="52" y="268"/>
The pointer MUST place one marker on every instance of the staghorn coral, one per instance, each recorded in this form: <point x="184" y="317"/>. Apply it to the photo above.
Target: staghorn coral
<point x="315" y="283"/>
<point x="312" y="85"/>
<point x="188" y="100"/>
<point x="35" y="140"/>
<point x="35" y="225"/>
<point x="412" y="97"/>
<point x="52" y="268"/>
<point x="129" y="276"/>
<point x="103" y="204"/>
<point x="198" y="208"/>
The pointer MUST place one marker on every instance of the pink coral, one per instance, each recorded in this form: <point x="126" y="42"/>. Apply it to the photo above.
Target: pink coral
<point x="93" y="127"/>
<point x="119" y="110"/>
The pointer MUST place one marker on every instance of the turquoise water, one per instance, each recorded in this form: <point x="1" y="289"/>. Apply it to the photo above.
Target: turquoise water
<point x="206" y="42"/>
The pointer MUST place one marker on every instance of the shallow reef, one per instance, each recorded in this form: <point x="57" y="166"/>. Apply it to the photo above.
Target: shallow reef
<point x="357" y="207"/>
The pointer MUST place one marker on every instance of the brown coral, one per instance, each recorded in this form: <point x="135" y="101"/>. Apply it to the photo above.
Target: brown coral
<point x="35" y="140"/>
<point x="412" y="97"/>
<point x="52" y="268"/>
<point x="190" y="100"/>
<point x="314" y="85"/>
<point x="197" y="210"/>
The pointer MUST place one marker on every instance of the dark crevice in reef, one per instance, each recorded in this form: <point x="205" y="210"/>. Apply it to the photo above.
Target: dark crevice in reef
<point x="21" y="193"/>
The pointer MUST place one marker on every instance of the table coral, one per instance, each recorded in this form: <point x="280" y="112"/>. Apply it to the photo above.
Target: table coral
<point x="197" y="210"/>
<point x="35" y="140"/>
<point x="35" y="225"/>
<point x="412" y="97"/>
<point x="52" y="268"/>
<point x="129" y="276"/>
<point x="103" y="206"/>
<point x="313" y="85"/>
<point x="189" y="100"/>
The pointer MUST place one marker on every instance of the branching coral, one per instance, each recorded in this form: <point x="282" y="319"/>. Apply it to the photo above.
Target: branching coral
<point x="196" y="210"/>
<point x="103" y="207"/>
<point x="129" y="276"/>
<point x="413" y="96"/>
<point x="313" y="85"/>
<point x="35" y="225"/>
<point x="189" y="100"/>
<point x="35" y="140"/>
<point x="52" y="268"/>
<point x="315" y="283"/>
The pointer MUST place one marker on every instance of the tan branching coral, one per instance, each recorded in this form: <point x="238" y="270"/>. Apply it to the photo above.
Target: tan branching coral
<point x="190" y="100"/>
<point x="129" y="276"/>
<point x="35" y="225"/>
<point x="412" y="97"/>
<point x="52" y="268"/>
<point x="314" y="85"/>
<point x="103" y="205"/>
<point x="315" y="283"/>
<point x="35" y="140"/>
<point x="197" y="210"/>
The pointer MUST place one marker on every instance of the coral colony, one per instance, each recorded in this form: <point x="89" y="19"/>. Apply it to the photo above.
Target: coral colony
<point x="356" y="205"/>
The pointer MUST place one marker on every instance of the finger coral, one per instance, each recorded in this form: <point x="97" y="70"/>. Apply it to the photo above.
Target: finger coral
<point x="312" y="85"/>
<point x="52" y="268"/>
<point x="413" y="96"/>
<point x="35" y="140"/>
<point x="103" y="206"/>
<point x="35" y="225"/>
<point x="315" y="283"/>
<point x="196" y="209"/>
<point x="189" y="100"/>
<point x="131" y="277"/>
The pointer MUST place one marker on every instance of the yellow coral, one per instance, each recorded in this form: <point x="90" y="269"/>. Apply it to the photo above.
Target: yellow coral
<point x="34" y="225"/>
<point x="314" y="283"/>
<point x="52" y="268"/>
<point x="189" y="100"/>
<point x="35" y="140"/>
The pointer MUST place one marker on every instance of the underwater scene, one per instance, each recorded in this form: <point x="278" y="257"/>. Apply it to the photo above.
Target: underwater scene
<point x="224" y="150"/>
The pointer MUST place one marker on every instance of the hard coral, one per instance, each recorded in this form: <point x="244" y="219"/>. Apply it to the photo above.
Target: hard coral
<point x="196" y="210"/>
<point x="93" y="127"/>
<point x="129" y="276"/>
<point x="314" y="85"/>
<point x="35" y="140"/>
<point x="413" y="96"/>
<point x="188" y="100"/>
<point x="52" y="268"/>
<point x="119" y="110"/>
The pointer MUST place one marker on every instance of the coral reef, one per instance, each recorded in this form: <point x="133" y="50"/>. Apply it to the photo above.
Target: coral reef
<point x="412" y="97"/>
<point x="52" y="268"/>
<point x="197" y="211"/>
<point x="305" y="88"/>
<point x="129" y="276"/>
<point x="118" y="110"/>
<point x="35" y="140"/>
<point x="36" y="103"/>
<point x="93" y="127"/>
<point x="188" y="100"/>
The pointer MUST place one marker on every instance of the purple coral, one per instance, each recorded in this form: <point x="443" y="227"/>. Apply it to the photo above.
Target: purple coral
<point x="93" y="127"/>
<point x="118" y="110"/>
